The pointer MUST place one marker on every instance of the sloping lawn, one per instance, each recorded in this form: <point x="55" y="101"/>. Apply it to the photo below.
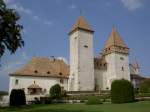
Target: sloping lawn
<point x="128" y="107"/>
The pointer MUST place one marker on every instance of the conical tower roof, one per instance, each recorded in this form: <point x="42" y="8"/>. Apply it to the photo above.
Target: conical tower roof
<point x="115" y="40"/>
<point x="82" y="24"/>
<point x="115" y="44"/>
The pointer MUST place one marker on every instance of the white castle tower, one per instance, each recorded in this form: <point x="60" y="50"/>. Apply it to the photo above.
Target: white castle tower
<point x="81" y="57"/>
<point x="116" y="55"/>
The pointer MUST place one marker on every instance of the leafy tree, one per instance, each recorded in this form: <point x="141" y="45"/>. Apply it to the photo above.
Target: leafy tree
<point x="17" y="97"/>
<point x="10" y="30"/>
<point x="145" y="86"/>
<point x="122" y="91"/>
<point x="55" y="91"/>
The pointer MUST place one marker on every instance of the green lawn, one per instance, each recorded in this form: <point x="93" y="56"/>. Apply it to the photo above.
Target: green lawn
<point x="129" y="107"/>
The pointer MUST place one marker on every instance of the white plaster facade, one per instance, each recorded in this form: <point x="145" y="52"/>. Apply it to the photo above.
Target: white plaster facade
<point x="81" y="61"/>
<point x="44" y="82"/>
<point x="117" y="68"/>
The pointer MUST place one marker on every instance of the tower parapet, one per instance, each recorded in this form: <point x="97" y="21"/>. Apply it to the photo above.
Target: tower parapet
<point x="115" y="44"/>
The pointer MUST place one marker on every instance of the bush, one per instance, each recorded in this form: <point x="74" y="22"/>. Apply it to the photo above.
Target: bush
<point x="122" y="91"/>
<point x="17" y="97"/>
<point x="93" y="100"/>
<point x="55" y="91"/>
<point x="64" y="93"/>
<point x="145" y="86"/>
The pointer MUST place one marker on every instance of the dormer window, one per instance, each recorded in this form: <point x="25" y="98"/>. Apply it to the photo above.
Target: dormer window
<point x="48" y="72"/>
<point x="35" y="71"/>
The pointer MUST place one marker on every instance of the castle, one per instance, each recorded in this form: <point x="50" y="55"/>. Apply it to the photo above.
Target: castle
<point x="85" y="72"/>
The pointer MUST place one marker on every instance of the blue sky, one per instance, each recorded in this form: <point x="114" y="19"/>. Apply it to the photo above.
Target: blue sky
<point x="47" y="23"/>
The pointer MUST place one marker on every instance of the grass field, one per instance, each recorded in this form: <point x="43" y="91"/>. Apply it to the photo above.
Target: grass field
<point x="128" y="107"/>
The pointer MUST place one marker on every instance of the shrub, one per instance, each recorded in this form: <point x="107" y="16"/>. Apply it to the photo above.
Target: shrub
<point x="145" y="86"/>
<point x="122" y="91"/>
<point x="64" y="93"/>
<point x="17" y="97"/>
<point x="55" y="91"/>
<point x="93" y="100"/>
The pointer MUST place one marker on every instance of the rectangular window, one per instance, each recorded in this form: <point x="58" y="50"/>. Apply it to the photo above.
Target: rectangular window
<point x="122" y="68"/>
<point x="61" y="81"/>
<point x="16" y="82"/>
<point x="85" y="46"/>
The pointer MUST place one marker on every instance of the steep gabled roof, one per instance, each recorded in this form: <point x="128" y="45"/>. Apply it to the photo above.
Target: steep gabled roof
<point x="42" y="66"/>
<point x="115" y="40"/>
<point x="81" y="24"/>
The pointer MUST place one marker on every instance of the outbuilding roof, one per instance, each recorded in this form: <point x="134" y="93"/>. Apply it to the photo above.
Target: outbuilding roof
<point x="44" y="67"/>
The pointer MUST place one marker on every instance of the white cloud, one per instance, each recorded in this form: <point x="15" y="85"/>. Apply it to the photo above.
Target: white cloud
<point x="22" y="10"/>
<point x="72" y="6"/>
<point x="37" y="18"/>
<point x="13" y="64"/>
<point x="8" y="1"/>
<point x="132" y="4"/>
<point x="48" y="23"/>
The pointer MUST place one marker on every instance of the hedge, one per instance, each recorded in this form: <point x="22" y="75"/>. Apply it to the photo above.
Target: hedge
<point x="122" y="91"/>
<point x="17" y="97"/>
<point x="145" y="86"/>
<point x="55" y="91"/>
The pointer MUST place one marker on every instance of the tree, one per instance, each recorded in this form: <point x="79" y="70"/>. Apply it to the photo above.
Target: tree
<point x="122" y="91"/>
<point x="17" y="97"/>
<point x="10" y="30"/>
<point x="55" y="91"/>
<point x="145" y="86"/>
